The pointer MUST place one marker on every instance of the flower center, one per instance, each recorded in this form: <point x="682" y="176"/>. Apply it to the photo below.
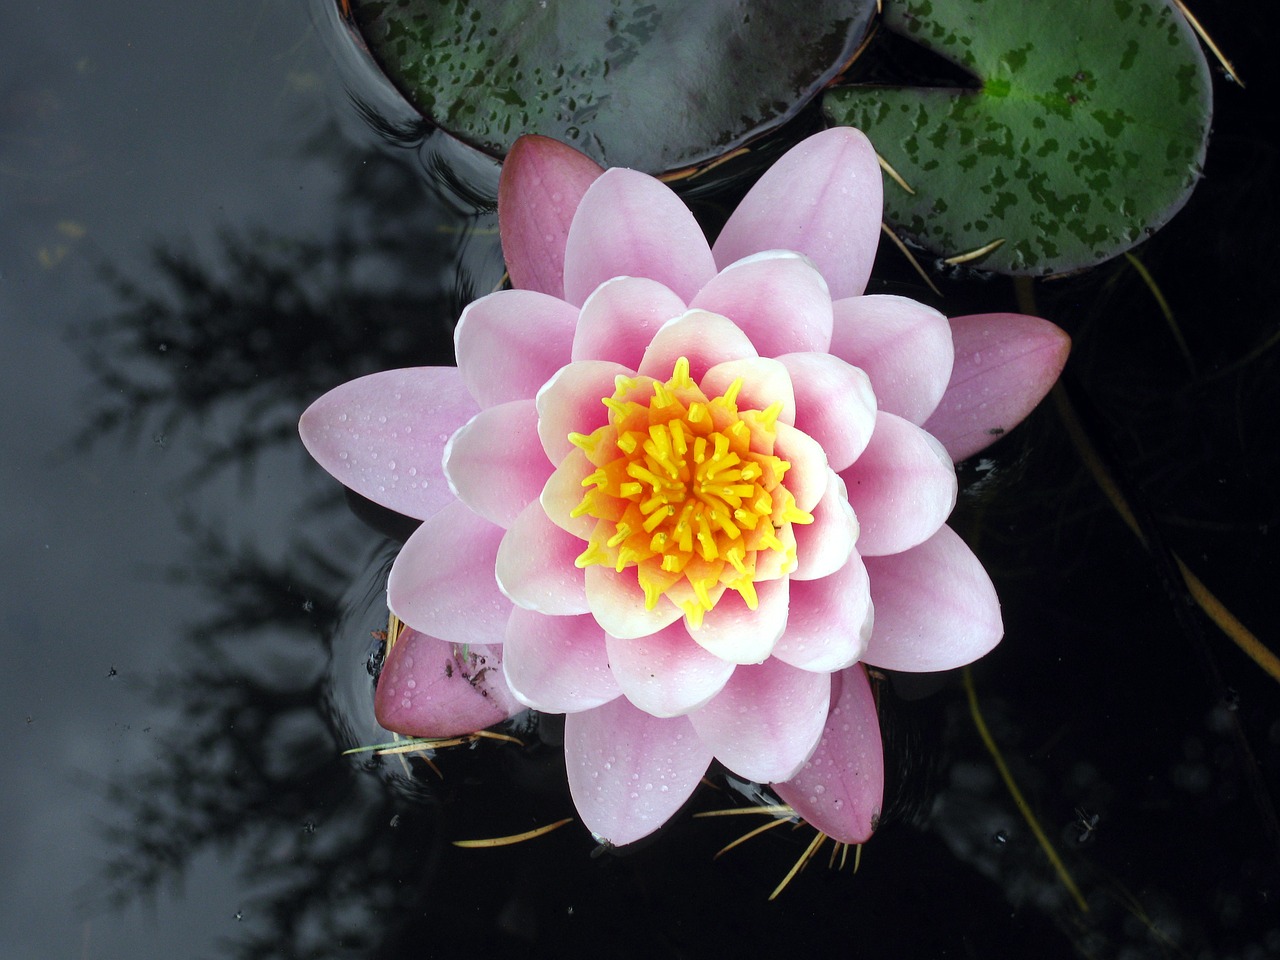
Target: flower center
<point x="687" y="489"/>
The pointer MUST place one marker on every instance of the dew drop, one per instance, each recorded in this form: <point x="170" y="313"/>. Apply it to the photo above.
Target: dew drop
<point x="342" y="418"/>
<point x="819" y="789"/>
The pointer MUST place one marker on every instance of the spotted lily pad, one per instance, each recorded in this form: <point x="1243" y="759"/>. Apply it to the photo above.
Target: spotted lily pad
<point x="1086" y="133"/>
<point x="653" y="84"/>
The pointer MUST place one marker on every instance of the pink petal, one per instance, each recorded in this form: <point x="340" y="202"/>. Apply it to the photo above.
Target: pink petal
<point x="766" y="721"/>
<point x="840" y="790"/>
<point x="807" y="478"/>
<point x="1005" y="364"/>
<point x="935" y="607"/>
<point x="617" y="603"/>
<point x="495" y="463"/>
<point x="429" y="688"/>
<point x="629" y="772"/>
<point x="510" y="343"/>
<point x="834" y="404"/>
<point x="631" y="225"/>
<point x="772" y="564"/>
<point x="535" y="565"/>
<point x="778" y="299"/>
<point x="705" y="339"/>
<point x="821" y="199"/>
<point x="665" y="673"/>
<point x="824" y="546"/>
<point x="557" y="664"/>
<point x="564" y="491"/>
<point x="904" y="347"/>
<point x="541" y="185"/>
<point x="764" y="383"/>
<point x="571" y="402"/>
<point x="734" y="632"/>
<point x="830" y="621"/>
<point x="384" y="435"/>
<point x="620" y="318"/>
<point x="902" y="488"/>
<point x="442" y="582"/>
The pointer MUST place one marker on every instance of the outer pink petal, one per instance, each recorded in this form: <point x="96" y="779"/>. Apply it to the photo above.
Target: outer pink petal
<point x="620" y="318"/>
<point x="734" y="632"/>
<point x="557" y="664"/>
<point x="510" y="343"/>
<point x="443" y="584"/>
<point x="535" y="565"/>
<point x="571" y="401"/>
<point x="904" y="346"/>
<point x="824" y="546"/>
<point x="541" y="186"/>
<point x="764" y="383"/>
<point x="935" y="607"/>
<point x="617" y="603"/>
<point x="840" y="790"/>
<point x="629" y="772"/>
<point x="384" y="435"/>
<point x="822" y="199"/>
<point x="631" y="225"/>
<point x="830" y="622"/>
<point x="665" y="673"/>
<point x="705" y="339"/>
<point x="1005" y="364"/>
<point x="902" y="488"/>
<point x="777" y="297"/>
<point x="495" y="463"/>
<point x="835" y="404"/>
<point x="766" y="721"/>
<point x="429" y="688"/>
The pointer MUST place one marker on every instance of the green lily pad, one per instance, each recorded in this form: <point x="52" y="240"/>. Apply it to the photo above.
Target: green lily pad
<point x="657" y="85"/>
<point x="1087" y="133"/>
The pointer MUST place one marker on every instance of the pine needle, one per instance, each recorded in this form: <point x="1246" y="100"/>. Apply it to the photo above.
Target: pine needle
<point x="514" y="838"/>
<point x="1019" y="801"/>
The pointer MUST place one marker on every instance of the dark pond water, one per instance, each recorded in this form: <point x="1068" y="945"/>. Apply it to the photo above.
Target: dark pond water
<point x="199" y="232"/>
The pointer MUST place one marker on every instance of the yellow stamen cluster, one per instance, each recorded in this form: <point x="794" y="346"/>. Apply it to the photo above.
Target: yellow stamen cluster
<point x="687" y="489"/>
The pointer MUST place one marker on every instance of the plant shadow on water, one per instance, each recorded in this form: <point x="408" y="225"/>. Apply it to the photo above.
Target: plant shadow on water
<point x="1148" y="747"/>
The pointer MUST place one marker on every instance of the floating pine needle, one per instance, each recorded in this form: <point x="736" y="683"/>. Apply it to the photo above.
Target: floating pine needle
<point x="395" y="627"/>
<point x="405" y="746"/>
<point x="1020" y="802"/>
<point x="894" y="175"/>
<point x="800" y="864"/>
<point x="977" y="254"/>
<point x="1208" y="42"/>
<point x="775" y="810"/>
<point x="1163" y="304"/>
<point x="750" y="834"/>
<point x="911" y="257"/>
<point x="1223" y="618"/>
<point x="515" y="837"/>
<point x="690" y="173"/>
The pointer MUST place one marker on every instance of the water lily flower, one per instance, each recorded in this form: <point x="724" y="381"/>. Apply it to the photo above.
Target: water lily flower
<point x="683" y="492"/>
